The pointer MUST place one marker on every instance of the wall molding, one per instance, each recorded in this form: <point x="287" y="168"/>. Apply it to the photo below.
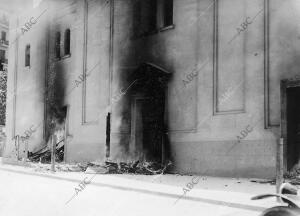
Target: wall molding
<point x="266" y="64"/>
<point x="216" y="110"/>
<point x="267" y="120"/>
<point x="84" y="60"/>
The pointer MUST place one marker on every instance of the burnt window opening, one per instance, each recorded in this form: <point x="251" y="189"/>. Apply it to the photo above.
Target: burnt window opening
<point x="67" y="42"/>
<point x="27" y="56"/>
<point x="151" y="8"/>
<point x="3" y="35"/>
<point x="151" y="16"/>
<point x="57" y="45"/>
<point x="137" y="17"/>
<point x="2" y="59"/>
<point x="167" y="13"/>
<point x="145" y="17"/>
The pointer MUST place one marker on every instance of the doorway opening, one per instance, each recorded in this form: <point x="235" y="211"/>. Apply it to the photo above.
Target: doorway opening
<point x="148" y="115"/>
<point x="293" y="126"/>
<point x="290" y="124"/>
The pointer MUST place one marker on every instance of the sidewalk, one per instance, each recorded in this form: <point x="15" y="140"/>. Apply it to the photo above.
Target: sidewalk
<point x="229" y="195"/>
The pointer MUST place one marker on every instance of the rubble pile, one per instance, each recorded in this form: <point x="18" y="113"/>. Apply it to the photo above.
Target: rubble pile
<point x="107" y="167"/>
<point x="137" y="167"/>
<point x="44" y="155"/>
<point x="293" y="177"/>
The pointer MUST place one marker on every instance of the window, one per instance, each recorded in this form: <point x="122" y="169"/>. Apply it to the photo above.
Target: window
<point x="152" y="15"/>
<point x="27" y="56"/>
<point x="145" y="16"/>
<point x="3" y="35"/>
<point x="67" y="42"/>
<point x="137" y="17"/>
<point x="2" y="59"/>
<point x="57" y="45"/>
<point x="167" y="13"/>
<point x="150" y="9"/>
<point x="2" y="54"/>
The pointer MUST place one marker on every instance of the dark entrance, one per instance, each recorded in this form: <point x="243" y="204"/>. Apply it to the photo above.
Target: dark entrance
<point x="293" y="126"/>
<point x="148" y="121"/>
<point x="290" y="125"/>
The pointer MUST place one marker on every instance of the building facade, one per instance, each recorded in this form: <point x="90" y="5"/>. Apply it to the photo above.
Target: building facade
<point x="200" y="82"/>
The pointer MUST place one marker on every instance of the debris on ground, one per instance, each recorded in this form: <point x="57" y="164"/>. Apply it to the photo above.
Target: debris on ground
<point x="107" y="167"/>
<point x="294" y="181"/>
<point x="60" y="167"/>
<point x="293" y="176"/>
<point x="137" y="167"/>
<point x="44" y="155"/>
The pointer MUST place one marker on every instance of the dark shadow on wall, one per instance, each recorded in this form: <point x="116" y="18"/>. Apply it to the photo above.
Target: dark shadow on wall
<point x="131" y="49"/>
<point x="127" y="49"/>
<point x="56" y="109"/>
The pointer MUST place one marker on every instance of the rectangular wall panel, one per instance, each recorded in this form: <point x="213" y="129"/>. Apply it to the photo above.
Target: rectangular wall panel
<point x="229" y="56"/>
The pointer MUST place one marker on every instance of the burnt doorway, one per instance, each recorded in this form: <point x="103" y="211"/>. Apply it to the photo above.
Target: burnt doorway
<point x="148" y="114"/>
<point x="290" y="123"/>
<point x="293" y="126"/>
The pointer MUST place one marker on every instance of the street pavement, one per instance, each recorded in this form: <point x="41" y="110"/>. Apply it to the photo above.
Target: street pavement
<point x="26" y="192"/>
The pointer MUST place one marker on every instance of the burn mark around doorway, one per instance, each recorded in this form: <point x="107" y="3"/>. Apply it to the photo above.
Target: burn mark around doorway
<point x="148" y="139"/>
